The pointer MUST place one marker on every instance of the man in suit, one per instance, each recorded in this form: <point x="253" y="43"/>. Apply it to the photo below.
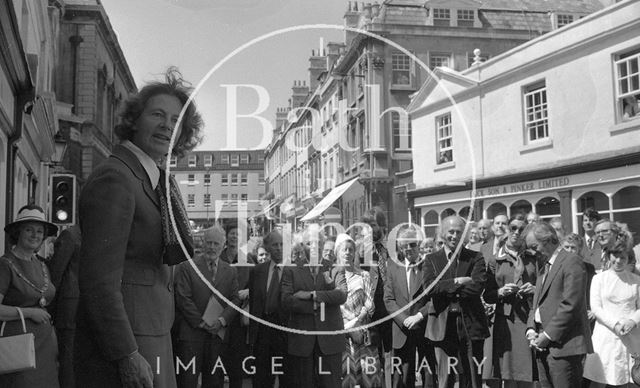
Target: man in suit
<point x="404" y="285"/>
<point x="313" y="295"/>
<point x="269" y="344"/>
<point x="126" y="307"/>
<point x="489" y="249"/>
<point x="591" y="252"/>
<point x="195" y="337"/>
<point x="64" y="276"/>
<point x="558" y="327"/>
<point x="457" y="294"/>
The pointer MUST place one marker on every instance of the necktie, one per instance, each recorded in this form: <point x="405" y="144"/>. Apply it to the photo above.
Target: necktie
<point x="547" y="267"/>
<point x="382" y="263"/>
<point x="412" y="279"/>
<point x="213" y="268"/>
<point x="173" y="253"/>
<point x="273" y="293"/>
<point x="590" y="243"/>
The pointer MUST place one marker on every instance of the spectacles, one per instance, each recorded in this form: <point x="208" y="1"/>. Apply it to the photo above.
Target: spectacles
<point x="411" y="245"/>
<point x="603" y="231"/>
<point x="515" y="228"/>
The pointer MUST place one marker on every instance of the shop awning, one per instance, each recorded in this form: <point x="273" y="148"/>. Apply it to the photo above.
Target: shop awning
<point x="327" y="201"/>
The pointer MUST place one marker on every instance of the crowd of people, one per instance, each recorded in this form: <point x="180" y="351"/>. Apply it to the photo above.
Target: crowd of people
<point x="507" y="302"/>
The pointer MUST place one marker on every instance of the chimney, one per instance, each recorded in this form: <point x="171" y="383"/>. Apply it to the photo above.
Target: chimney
<point x="317" y="65"/>
<point x="300" y="91"/>
<point x="281" y="117"/>
<point x="333" y="52"/>
<point x="351" y="19"/>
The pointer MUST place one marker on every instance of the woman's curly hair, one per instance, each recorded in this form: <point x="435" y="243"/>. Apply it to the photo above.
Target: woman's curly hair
<point x="176" y="86"/>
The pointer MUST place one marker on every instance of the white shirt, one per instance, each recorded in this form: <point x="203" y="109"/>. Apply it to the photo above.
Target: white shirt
<point x="147" y="163"/>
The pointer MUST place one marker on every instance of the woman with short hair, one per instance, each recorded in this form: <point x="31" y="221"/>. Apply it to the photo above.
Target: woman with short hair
<point x="26" y="289"/>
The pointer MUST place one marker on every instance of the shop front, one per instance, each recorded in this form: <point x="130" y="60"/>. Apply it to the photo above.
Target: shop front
<point x="614" y="192"/>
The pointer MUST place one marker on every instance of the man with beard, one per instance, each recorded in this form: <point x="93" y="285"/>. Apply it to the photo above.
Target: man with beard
<point x="195" y="337"/>
<point x="457" y="295"/>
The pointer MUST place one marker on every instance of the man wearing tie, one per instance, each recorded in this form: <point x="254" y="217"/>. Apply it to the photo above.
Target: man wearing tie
<point x="313" y="297"/>
<point x="591" y="252"/>
<point x="403" y="285"/>
<point x="196" y="338"/>
<point x="457" y="294"/>
<point x="558" y="327"/>
<point x="269" y="344"/>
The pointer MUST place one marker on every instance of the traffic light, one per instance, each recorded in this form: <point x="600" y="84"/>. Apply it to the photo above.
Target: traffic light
<point x="63" y="199"/>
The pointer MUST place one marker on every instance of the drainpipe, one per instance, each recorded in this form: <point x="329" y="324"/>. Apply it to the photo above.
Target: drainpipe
<point x="75" y="41"/>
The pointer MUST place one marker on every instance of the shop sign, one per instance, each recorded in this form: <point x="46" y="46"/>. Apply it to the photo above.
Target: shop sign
<point x="524" y="187"/>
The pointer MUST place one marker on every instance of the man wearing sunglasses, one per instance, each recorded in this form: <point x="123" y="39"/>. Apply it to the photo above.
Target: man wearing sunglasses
<point x="457" y="296"/>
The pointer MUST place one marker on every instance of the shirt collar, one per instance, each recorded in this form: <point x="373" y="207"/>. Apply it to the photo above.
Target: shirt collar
<point x="447" y="251"/>
<point x="147" y="163"/>
<point x="555" y="255"/>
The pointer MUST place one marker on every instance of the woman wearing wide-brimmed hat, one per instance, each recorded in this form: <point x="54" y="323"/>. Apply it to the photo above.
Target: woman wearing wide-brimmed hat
<point x="25" y="285"/>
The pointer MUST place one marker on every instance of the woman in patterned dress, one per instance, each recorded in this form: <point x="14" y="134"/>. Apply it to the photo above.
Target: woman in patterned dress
<point x="357" y="365"/>
<point x="25" y="285"/>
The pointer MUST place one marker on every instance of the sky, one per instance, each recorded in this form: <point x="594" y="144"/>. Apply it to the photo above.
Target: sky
<point x="195" y="35"/>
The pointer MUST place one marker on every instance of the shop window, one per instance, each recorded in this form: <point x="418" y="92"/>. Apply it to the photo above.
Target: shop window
<point x="431" y="223"/>
<point x="626" y="209"/>
<point x="593" y="199"/>
<point x="535" y="114"/>
<point x="446" y="213"/>
<point x="521" y="206"/>
<point x="444" y="139"/>
<point x="464" y="212"/>
<point x="401" y="69"/>
<point x="439" y="60"/>
<point x="627" y="67"/>
<point x="547" y="208"/>
<point x="401" y="127"/>
<point x="495" y="209"/>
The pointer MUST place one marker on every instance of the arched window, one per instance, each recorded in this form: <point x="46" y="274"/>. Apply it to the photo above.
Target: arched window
<point x="626" y="208"/>
<point x="547" y="208"/>
<point x="520" y="206"/>
<point x="464" y="212"/>
<point x="495" y="209"/>
<point x="446" y="213"/>
<point x="596" y="200"/>
<point x="431" y="223"/>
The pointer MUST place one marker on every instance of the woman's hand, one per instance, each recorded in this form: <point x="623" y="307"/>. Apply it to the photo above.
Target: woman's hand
<point x="626" y="326"/>
<point x="527" y="289"/>
<point x="37" y="315"/>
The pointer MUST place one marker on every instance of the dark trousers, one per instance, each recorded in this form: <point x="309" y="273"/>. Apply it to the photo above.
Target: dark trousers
<point x="407" y="354"/>
<point x="270" y="350"/>
<point x="65" y="358"/>
<point x="559" y="372"/>
<point x="465" y="351"/>
<point x="318" y="370"/>
<point x="206" y="356"/>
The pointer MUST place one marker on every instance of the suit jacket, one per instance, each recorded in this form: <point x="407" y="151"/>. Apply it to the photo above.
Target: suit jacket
<point x="192" y="296"/>
<point x="125" y="289"/>
<point x="562" y="303"/>
<point x="486" y="250"/>
<point x="593" y="257"/>
<point x="258" y="279"/>
<point x="397" y="296"/>
<point x="332" y="291"/>
<point x="63" y="267"/>
<point x="445" y="291"/>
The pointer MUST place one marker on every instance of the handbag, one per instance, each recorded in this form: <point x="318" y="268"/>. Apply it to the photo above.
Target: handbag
<point x="18" y="352"/>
